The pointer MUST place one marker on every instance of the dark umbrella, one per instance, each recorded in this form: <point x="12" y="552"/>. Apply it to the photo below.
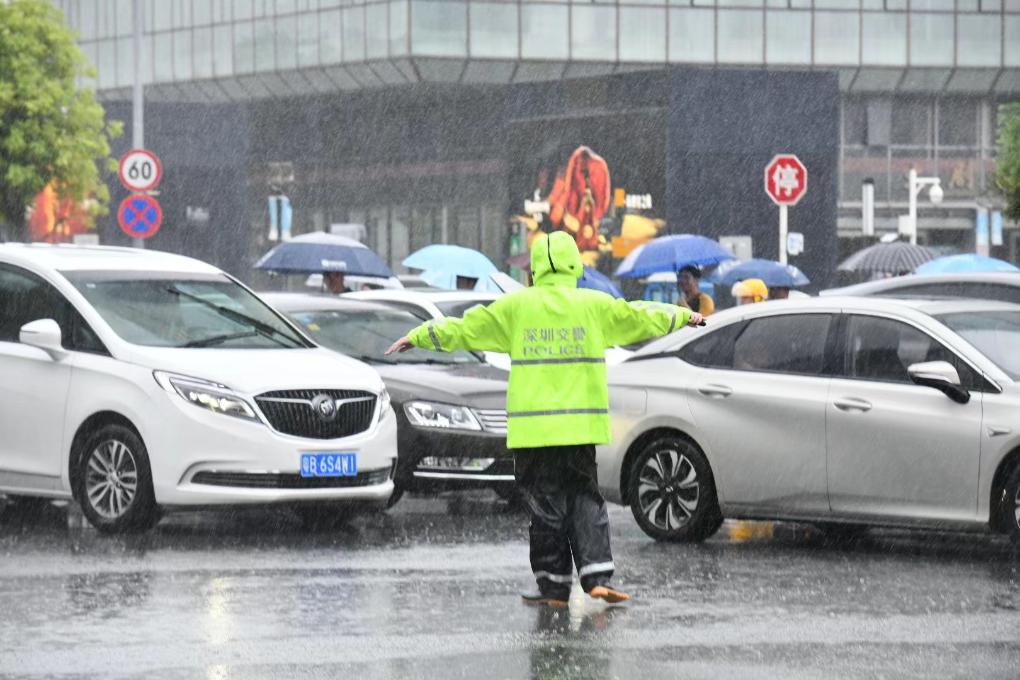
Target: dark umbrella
<point x="322" y="252"/>
<point x="887" y="258"/>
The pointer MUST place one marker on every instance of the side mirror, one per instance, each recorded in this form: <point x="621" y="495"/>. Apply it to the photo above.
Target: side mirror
<point x="942" y="376"/>
<point x="44" y="334"/>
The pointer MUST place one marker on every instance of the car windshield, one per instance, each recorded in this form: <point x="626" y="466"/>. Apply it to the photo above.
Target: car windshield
<point x="164" y="310"/>
<point x="996" y="334"/>
<point x="366" y="334"/>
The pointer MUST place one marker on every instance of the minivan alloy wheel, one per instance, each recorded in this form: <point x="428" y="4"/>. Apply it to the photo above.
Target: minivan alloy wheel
<point x="111" y="480"/>
<point x="668" y="489"/>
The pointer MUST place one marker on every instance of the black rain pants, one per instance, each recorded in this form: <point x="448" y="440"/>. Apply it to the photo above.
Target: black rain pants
<point x="569" y="521"/>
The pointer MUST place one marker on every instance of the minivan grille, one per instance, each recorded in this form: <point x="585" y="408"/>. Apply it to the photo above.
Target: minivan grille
<point x="492" y="420"/>
<point x="291" y="412"/>
<point x="274" y="480"/>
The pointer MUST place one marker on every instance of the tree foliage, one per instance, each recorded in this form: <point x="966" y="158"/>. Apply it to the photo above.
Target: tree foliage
<point x="1007" y="175"/>
<point x="50" y="130"/>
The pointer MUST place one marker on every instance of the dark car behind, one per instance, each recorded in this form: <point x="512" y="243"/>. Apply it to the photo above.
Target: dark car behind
<point x="450" y="407"/>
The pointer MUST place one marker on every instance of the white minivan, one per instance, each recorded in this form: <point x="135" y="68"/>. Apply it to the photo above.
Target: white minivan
<point x="133" y="380"/>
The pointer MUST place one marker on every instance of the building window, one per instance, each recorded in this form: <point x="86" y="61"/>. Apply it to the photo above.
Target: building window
<point x="203" y="52"/>
<point x="593" y="33"/>
<point x="223" y="50"/>
<point x="789" y="37"/>
<point x="286" y="42"/>
<point x="692" y="35"/>
<point x="910" y="122"/>
<point x="740" y="36"/>
<point x="354" y="34"/>
<point x="438" y="28"/>
<point x="855" y="122"/>
<point x="265" y="45"/>
<point x="979" y="40"/>
<point x="376" y="21"/>
<point x="1012" y="40"/>
<point x="543" y="31"/>
<point x="330" y="51"/>
<point x="244" y="47"/>
<point x="958" y="122"/>
<point x="162" y="58"/>
<point x="884" y="38"/>
<point x="182" y="55"/>
<point x="308" y="39"/>
<point x="642" y="34"/>
<point x="931" y="39"/>
<point x="494" y="30"/>
<point x="398" y="28"/>
<point x="837" y="38"/>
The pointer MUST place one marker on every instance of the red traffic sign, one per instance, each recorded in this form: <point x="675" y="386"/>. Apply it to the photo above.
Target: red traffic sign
<point x="785" y="179"/>
<point x="140" y="170"/>
<point x="139" y="215"/>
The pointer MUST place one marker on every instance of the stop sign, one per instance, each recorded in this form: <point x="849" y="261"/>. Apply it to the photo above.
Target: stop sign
<point x="785" y="179"/>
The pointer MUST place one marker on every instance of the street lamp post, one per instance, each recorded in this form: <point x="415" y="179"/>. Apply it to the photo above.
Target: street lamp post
<point x="914" y="186"/>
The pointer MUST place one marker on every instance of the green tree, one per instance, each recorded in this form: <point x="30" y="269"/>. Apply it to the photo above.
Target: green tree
<point x="1007" y="176"/>
<point x="50" y="130"/>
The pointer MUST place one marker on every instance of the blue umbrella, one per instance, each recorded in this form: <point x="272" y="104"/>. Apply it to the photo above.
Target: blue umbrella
<point x="771" y="272"/>
<point x="441" y="264"/>
<point x="596" y="280"/>
<point x="322" y="252"/>
<point x="672" y="253"/>
<point x="968" y="262"/>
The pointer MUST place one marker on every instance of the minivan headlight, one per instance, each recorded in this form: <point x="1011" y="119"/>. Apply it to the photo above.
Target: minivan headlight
<point x="208" y="395"/>
<point x="441" y="416"/>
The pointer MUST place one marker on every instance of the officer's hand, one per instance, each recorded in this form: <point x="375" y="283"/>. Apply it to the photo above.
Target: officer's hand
<point x="696" y="319"/>
<point x="401" y="345"/>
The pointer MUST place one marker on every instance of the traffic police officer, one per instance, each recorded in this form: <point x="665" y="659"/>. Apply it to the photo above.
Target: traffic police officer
<point x="557" y="404"/>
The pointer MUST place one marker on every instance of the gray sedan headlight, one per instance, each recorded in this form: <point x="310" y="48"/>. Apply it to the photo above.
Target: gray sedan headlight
<point x="441" y="416"/>
<point x="208" y="395"/>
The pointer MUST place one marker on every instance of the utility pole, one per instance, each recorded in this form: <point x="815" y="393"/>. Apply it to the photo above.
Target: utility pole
<point x="137" y="92"/>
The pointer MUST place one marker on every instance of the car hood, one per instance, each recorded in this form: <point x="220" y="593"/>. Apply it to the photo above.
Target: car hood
<point x="253" y="371"/>
<point x="477" y="385"/>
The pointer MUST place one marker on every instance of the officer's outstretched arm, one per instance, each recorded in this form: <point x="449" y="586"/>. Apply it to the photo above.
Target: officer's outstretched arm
<point x="482" y="328"/>
<point x="628" y="322"/>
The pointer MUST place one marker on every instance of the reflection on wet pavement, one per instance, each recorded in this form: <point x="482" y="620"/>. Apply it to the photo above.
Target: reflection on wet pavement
<point x="430" y="589"/>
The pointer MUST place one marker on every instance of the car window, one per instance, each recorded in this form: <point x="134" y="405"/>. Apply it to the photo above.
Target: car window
<point x="996" y="334"/>
<point x="24" y="297"/>
<point x="883" y="349"/>
<point x="714" y="350"/>
<point x="791" y="343"/>
<point x="963" y="289"/>
<point x="411" y="307"/>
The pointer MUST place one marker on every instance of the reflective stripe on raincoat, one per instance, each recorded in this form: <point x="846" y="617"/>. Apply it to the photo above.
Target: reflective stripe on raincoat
<point x="556" y="335"/>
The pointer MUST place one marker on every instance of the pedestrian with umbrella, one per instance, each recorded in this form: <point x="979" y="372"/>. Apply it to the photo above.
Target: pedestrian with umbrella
<point x="557" y="404"/>
<point x="688" y="282"/>
<point x="451" y="267"/>
<point x="333" y="256"/>
<point x="778" y="277"/>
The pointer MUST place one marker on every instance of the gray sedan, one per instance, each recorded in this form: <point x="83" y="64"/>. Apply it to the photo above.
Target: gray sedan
<point x="846" y="412"/>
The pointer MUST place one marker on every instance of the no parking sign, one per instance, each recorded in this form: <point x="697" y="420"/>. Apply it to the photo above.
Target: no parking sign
<point x="139" y="216"/>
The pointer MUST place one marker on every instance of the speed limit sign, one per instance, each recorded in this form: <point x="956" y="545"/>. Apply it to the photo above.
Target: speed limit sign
<point x="140" y="170"/>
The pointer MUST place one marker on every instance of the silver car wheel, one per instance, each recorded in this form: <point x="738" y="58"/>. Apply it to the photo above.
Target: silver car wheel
<point x="668" y="490"/>
<point x="1016" y="508"/>
<point x="111" y="479"/>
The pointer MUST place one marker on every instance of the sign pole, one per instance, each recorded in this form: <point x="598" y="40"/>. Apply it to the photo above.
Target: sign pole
<point x="783" y="230"/>
<point x="137" y="95"/>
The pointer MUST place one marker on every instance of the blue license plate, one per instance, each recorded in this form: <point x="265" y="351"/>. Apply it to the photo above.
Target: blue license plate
<point x="329" y="464"/>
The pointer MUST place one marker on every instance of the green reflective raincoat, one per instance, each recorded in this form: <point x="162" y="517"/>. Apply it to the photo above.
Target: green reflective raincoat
<point x="556" y="335"/>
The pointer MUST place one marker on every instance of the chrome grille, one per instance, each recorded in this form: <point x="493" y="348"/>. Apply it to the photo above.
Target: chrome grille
<point x="275" y="480"/>
<point x="291" y="412"/>
<point x="492" y="420"/>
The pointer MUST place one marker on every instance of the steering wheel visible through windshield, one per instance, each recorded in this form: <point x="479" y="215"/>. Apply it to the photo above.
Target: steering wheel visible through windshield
<point x="164" y="310"/>
<point x="365" y="334"/>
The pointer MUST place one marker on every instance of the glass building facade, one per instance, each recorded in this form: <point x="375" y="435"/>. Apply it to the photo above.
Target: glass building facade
<point x="920" y="80"/>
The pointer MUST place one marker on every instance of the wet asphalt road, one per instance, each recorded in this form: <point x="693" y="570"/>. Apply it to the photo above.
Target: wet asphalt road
<point x="430" y="590"/>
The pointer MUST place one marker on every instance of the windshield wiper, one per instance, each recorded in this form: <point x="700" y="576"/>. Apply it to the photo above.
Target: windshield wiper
<point x="218" y="339"/>
<point x="375" y="360"/>
<point x="260" y="327"/>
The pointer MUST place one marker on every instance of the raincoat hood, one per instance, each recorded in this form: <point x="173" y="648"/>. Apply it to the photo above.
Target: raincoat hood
<point x="555" y="260"/>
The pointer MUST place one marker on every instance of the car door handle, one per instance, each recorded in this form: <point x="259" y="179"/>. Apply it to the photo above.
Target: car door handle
<point x="716" y="391"/>
<point x="852" y="404"/>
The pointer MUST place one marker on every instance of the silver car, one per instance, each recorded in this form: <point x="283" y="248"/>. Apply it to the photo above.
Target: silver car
<point x="1002" y="286"/>
<point x="845" y="412"/>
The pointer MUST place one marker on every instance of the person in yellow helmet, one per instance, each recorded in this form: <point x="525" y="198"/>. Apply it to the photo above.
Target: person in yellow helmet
<point x="750" y="291"/>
